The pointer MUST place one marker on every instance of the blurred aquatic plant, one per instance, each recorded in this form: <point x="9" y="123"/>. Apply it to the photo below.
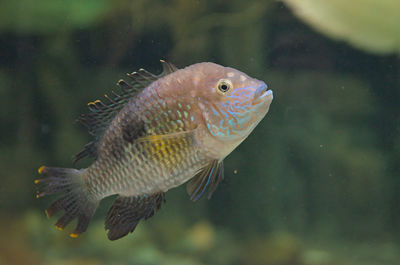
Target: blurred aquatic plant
<point x="187" y="245"/>
<point x="372" y="25"/>
<point x="318" y="257"/>
<point x="27" y="16"/>
<point x="201" y="236"/>
<point x="278" y="249"/>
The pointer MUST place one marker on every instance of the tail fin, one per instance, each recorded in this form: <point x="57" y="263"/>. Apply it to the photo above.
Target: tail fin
<point x="74" y="200"/>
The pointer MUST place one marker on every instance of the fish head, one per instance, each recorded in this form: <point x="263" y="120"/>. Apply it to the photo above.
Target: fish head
<point x="232" y="103"/>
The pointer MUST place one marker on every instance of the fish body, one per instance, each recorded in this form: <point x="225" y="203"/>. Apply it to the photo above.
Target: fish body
<point x="161" y="132"/>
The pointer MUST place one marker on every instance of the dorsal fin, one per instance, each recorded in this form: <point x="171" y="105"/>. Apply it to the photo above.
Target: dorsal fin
<point x="102" y="113"/>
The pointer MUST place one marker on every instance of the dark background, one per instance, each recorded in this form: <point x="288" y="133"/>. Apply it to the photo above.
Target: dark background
<point x="316" y="183"/>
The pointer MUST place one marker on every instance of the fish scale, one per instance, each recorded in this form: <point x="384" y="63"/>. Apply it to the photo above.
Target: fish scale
<point x="133" y="176"/>
<point x="157" y="133"/>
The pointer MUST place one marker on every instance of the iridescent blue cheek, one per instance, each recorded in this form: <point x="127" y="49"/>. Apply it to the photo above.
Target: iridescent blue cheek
<point x="231" y="118"/>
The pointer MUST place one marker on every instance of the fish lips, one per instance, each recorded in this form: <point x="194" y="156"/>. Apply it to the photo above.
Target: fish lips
<point x="263" y="93"/>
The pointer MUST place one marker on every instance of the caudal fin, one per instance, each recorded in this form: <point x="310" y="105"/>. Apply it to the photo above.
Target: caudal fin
<point x="74" y="198"/>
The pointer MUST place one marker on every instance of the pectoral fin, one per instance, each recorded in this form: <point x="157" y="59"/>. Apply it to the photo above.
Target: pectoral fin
<point x="210" y="176"/>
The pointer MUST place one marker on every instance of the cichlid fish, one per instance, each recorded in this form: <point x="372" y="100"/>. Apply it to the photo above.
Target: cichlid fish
<point x="156" y="134"/>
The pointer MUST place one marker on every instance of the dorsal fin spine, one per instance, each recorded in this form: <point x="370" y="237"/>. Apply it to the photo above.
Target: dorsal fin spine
<point x="124" y="85"/>
<point x="110" y="99"/>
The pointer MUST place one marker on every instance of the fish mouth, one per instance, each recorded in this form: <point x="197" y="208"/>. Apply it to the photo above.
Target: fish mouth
<point x="267" y="93"/>
<point x="263" y="92"/>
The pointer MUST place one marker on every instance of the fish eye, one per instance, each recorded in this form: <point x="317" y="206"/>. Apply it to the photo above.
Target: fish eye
<point x="224" y="85"/>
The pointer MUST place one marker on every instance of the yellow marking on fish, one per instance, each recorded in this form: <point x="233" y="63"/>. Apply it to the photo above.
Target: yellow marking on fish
<point x="40" y="170"/>
<point x="161" y="147"/>
<point x="59" y="228"/>
<point x="74" y="235"/>
<point x="37" y="196"/>
<point x="47" y="214"/>
<point x="157" y="145"/>
<point x="36" y="181"/>
<point x="153" y="137"/>
<point x="94" y="102"/>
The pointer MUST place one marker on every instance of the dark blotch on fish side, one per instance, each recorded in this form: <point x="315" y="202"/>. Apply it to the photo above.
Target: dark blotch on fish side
<point x="131" y="132"/>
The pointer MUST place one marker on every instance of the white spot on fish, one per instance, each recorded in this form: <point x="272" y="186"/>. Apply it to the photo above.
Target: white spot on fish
<point x="242" y="78"/>
<point x="196" y="80"/>
<point x="230" y="74"/>
<point x="201" y="106"/>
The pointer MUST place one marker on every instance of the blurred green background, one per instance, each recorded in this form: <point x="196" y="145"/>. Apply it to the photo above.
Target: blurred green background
<point x="318" y="181"/>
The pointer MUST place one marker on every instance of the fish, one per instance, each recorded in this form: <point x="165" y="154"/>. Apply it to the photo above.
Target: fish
<point x="154" y="133"/>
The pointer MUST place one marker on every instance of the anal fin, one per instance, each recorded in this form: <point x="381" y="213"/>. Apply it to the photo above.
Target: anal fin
<point x="126" y="212"/>
<point x="210" y="176"/>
